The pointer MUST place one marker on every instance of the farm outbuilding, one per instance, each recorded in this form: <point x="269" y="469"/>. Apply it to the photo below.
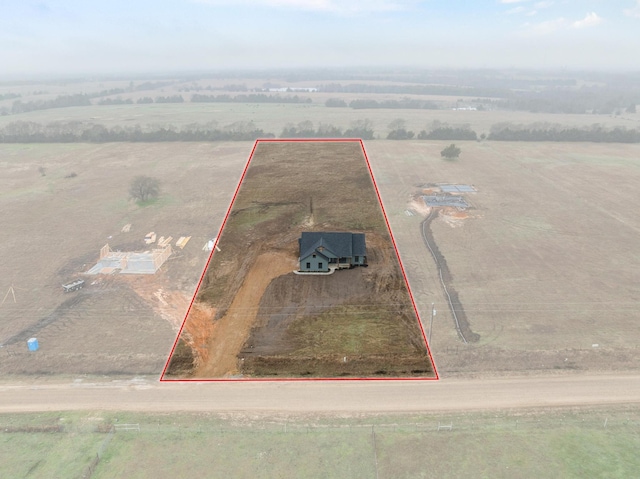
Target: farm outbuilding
<point x="326" y="251"/>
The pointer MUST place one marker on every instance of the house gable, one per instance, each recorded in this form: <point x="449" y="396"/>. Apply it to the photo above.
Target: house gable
<point x="334" y="248"/>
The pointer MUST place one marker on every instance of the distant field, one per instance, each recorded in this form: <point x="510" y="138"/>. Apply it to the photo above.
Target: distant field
<point x="547" y="264"/>
<point x="572" y="444"/>
<point x="272" y="118"/>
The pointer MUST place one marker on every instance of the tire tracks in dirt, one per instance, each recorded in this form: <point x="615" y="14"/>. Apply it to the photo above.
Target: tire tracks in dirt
<point x="455" y="306"/>
<point x="49" y="319"/>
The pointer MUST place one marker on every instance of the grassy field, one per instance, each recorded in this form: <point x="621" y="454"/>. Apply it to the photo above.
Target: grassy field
<point x="54" y="227"/>
<point x="561" y="443"/>
<point x="546" y="265"/>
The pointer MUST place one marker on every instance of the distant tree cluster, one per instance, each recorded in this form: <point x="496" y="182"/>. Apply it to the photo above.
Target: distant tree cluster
<point x="594" y="100"/>
<point x="74" y="131"/>
<point x="358" y="129"/>
<point x="443" y="131"/>
<point x="115" y="101"/>
<point x="398" y="130"/>
<point x="250" y="98"/>
<point x="61" y="101"/>
<point x="112" y="91"/>
<point x="437" y="131"/>
<point x="169" y="99"/>
<point x="149" y="85"/>
<point x="448" y="133"/>
<point x="335" y="103"/>
<point x="9" y="96"/>
<point x="594" y="133"/>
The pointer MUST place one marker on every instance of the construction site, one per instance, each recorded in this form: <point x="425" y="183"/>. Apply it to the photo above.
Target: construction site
<point x="254" y="317"/>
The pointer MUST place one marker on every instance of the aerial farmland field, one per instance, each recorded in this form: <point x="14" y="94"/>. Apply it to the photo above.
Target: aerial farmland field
<point x="54" y="225"/>
<point x="256" y="316"/>
<point x="546" y="264"/>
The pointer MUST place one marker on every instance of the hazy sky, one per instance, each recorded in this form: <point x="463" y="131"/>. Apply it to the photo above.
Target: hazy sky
<point x="74" y="37"/>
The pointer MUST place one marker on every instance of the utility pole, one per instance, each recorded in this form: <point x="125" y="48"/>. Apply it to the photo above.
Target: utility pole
<point x="433" y="313"/>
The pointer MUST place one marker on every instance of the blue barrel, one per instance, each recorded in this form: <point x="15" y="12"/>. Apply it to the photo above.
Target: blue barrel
<point x="32" y="344"/>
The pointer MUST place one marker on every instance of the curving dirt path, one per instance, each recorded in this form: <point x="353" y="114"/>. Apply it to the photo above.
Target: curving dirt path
<point x="232" y="330"/>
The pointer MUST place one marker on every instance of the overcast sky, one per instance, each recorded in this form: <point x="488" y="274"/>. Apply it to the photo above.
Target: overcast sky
<point x="63" y="37"/>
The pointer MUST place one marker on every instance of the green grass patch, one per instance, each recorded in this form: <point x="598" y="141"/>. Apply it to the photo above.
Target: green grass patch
<point x="240" y="453"/>
<point x="350" y="330"/>
<point x="47" y="445"/>
<point x="567" y="444"/>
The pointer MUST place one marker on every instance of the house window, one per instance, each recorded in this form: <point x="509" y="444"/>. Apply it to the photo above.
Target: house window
<point x="314" y="255"/>
<point x="356" y="259"/>
<point x="308" y="265"/>
<point x="320" y="266"/>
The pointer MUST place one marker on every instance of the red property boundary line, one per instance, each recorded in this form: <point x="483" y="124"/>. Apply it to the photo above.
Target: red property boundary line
<point x="224" y="222"/>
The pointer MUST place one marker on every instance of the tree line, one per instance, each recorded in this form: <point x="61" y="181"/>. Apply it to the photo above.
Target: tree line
<point x="594" y="133"/>
<point x="74" y="131"/>
<point x="62" y="101"/>
<point x="9" y="96"/>
<point x="591" y="100"/>
<point x="436" y="131"/>
<point x="78" y="131"/>
<point x="305" y="129"/>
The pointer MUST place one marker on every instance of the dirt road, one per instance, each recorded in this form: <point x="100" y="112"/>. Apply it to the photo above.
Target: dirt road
<point x="323" y="397"/>
<point x="232" y="329"/>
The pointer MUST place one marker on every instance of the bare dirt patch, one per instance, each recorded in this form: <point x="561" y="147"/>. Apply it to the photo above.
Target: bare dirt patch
<point x="270" y="322"/>
<point x="231" y="331"/>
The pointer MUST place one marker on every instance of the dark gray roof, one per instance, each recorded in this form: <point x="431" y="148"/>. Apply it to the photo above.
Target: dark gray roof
<point x="342" y="245"/>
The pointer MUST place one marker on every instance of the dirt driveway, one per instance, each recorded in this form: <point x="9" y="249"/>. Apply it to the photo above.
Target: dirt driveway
<point x="232" y="329"/>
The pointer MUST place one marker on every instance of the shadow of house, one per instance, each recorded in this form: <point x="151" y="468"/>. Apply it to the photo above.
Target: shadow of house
<point x="325" y="251"/>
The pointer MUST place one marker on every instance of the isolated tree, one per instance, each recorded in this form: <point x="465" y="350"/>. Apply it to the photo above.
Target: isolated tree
<point x="397" y="124"/>
<point x="144" y="188"/>
<point x="42" y="170"/>
<point x="450" y="152"/>
<point x="398" y="130"/>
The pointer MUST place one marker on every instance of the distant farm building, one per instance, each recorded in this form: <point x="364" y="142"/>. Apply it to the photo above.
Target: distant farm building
<point x="126" y="262"/>
<point x="323" y="252"/>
